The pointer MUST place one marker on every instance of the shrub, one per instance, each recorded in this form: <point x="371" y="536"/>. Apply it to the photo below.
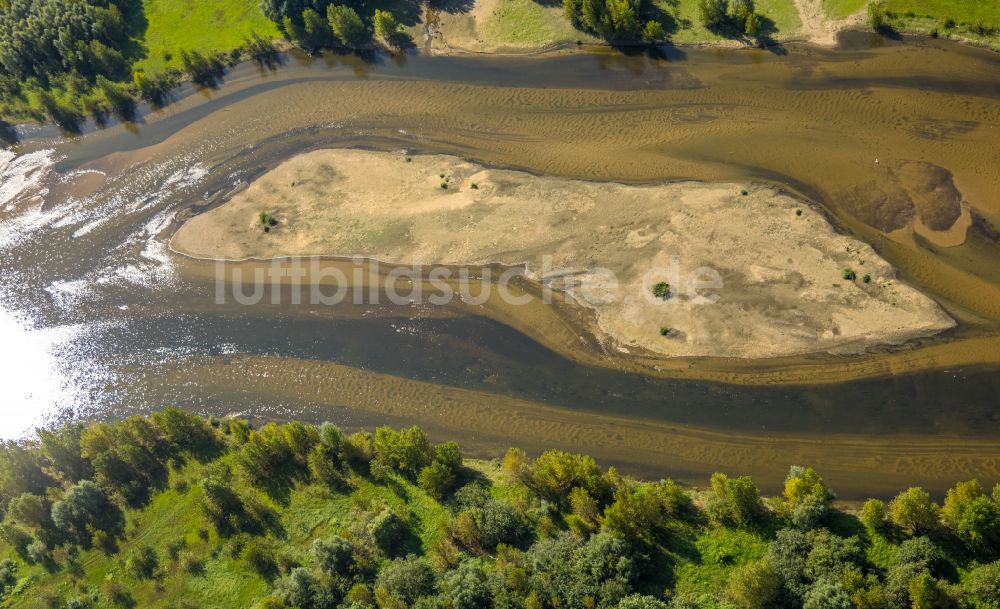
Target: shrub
<point x="827" y="595"/>
<point x="436" y="479"/>
<point x="753" y="586"/>
<point x="334" y="556"/>
<point x="266" y="221"/>
<point x="804" y="485"/>
<point x="8" y="575"/>
<point x="734" y="501"/>
<point x="142" y="563"/>
<point x="118" y="595"/>
<point x="848" y="274"/>
<point x="713" y="13"/>
<point x="386" y="530"/>
<point x="878" y="17"/>
<point x="661" y="290"/>
<point x="407" y="579"/>
<point x="653" y="32"/>
<point x="500" y="522"/>
<point x="259" y="557"/>
<point x="984" y="585"/>
<point x="407" y="451"/>
<point x="86" y="507"/>
<point x="467" y="587"/>
<point x="639" y="601"/>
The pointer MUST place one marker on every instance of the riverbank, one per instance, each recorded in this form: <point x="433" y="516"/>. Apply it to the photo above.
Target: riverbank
<point x="783" y="282"/>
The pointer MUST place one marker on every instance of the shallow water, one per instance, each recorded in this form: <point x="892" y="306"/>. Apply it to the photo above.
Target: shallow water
<point x="95" y="311"/>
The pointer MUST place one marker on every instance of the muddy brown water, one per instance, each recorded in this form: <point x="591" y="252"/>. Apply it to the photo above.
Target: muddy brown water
<point x="131" y="327"/>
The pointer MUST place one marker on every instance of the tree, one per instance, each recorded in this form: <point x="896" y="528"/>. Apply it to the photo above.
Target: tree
<point x="978" y="525"/>
<point x="407" y="451"/>
<point x="407" y="579"/>
<point x="913" y="511"/>
<point x="739" y="13"/>
<point x="653" y="32"/>
<point x="713" y="13"/>
<point x="386" y="25"/>
<point x="621" y="20"/>
<point x="347" y="26"/>
<point x="873" y="514"/>
<point x="21" y="472"/>
<point x="973" y="516"/>
<point x="754" y="25"/>
<point x="802" y="483"/>
<point x="806" y="496"/>
<point x="640" y="513"/>
<point x="555" y="472"/>
<point x="984" y="586"/>
<point x="827" y="595"/>
<point x="61" y="448"/>
<point x="315" y="33"/>
<point x="84" y="509"/>
<point x="639" y="601"/>
<point x="466" y="587"/>
<point x="753" y="586"/>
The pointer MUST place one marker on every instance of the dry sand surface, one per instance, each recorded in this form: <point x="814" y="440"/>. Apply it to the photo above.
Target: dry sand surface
<point x="818" y="28"/>
<point x="779" y="261"/>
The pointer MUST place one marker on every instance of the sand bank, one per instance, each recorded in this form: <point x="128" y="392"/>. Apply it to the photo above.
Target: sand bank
<point x="777" y="263"/>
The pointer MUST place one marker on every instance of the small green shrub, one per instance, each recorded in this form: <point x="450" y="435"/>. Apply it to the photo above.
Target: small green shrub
<point x="662" y="290"/>
<point x="849" y="274"/>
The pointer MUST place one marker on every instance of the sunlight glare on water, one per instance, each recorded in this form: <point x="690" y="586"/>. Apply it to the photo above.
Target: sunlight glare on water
<point x="34" y="383"/>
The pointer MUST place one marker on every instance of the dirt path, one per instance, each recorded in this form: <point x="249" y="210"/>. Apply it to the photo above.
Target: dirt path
<point x="817" y="28"/>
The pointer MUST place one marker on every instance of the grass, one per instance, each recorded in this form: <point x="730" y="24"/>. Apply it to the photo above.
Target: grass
<point x="717" y="552"/>
<point x="526" y="23"/>
<point x="175" y="25"/>
<point x="961" y="11"/>
<point x="977" y="22"/>
<point x="839" y="9"/>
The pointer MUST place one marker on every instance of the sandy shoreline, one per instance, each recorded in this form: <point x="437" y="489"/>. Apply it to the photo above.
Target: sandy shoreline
<point x="778" y="263"/>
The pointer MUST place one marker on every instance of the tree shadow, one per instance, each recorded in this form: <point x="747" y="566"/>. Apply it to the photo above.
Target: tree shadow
<point x="136" y="23"/>
<point x="451" y="6"/>
<point x="401" y="41"/>
<point x="666" y="19"/>
<point x="406" y="12"/>
<point x="8" y="135"/>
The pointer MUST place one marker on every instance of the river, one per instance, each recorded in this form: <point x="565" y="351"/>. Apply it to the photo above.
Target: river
<point x="98" y="319"/>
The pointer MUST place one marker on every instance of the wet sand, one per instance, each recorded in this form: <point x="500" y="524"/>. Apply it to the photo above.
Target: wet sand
<point x="487" y="424"/>
<point x="772" y="266"/>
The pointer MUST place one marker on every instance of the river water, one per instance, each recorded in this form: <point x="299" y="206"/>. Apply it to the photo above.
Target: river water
<point x="98" y="319"/>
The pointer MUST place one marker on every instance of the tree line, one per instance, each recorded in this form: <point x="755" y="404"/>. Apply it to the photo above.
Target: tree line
<point x="555" y="531"/>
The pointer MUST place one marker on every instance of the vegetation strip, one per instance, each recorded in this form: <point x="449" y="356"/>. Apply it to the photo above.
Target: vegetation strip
<point x="173" y="510"/>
